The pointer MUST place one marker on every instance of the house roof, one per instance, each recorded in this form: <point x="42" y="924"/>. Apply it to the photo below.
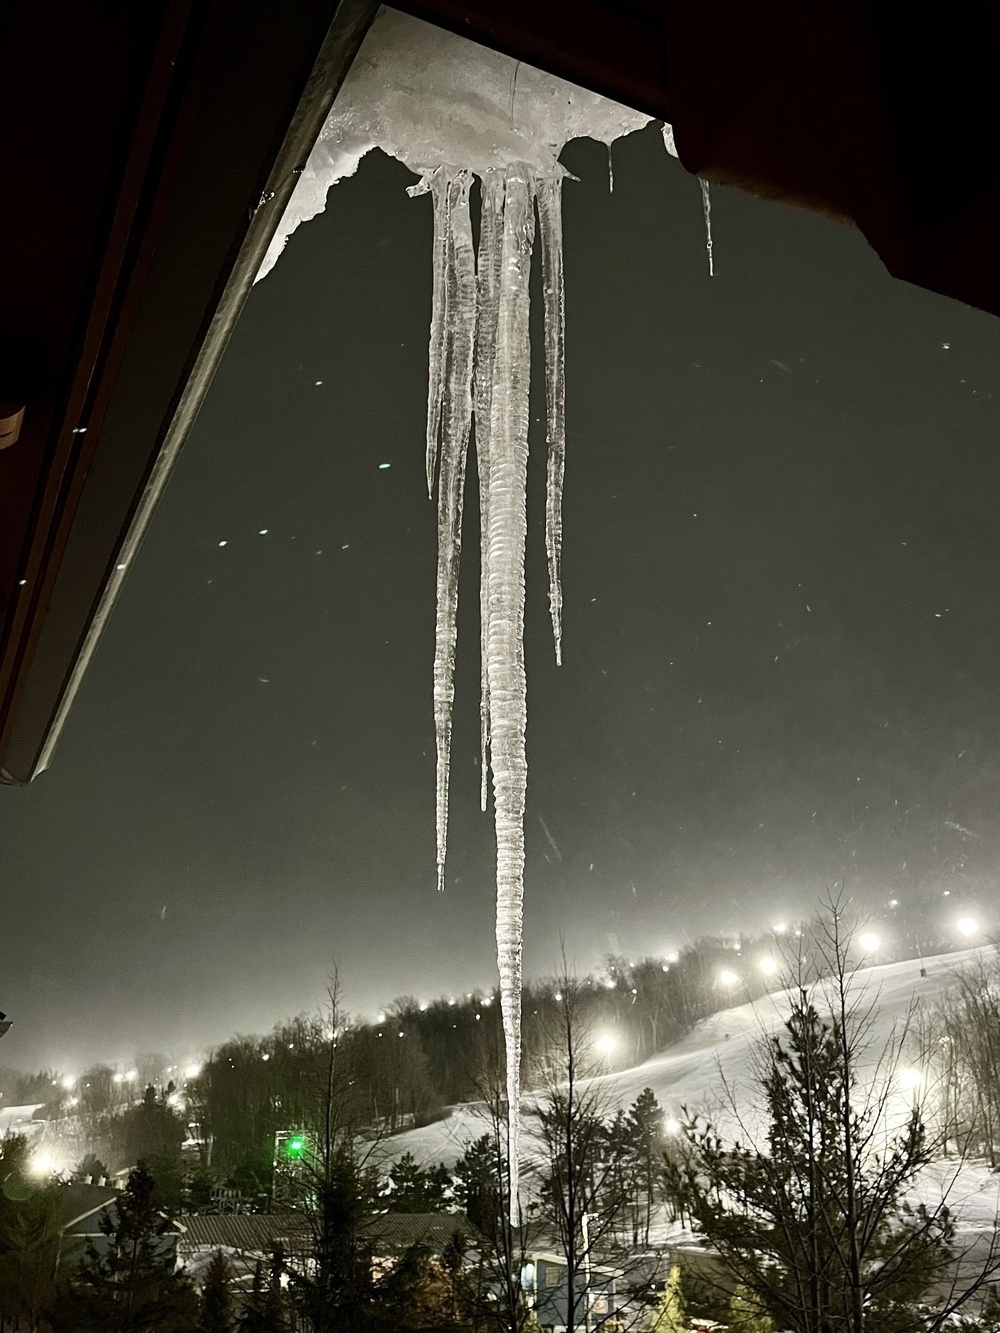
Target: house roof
<point x="81" y="1205"/>
<point x="252" y="1233"/>
<point x="393" y="1232"/>
<point x="259" y="1233"/>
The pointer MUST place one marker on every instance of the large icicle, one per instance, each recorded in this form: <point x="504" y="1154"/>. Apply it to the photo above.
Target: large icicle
<point x="488" y="292"/>
<point x="444" y="107"/>
<point x="454" y="412"/>
<point x="549" y="194"/>
<point x="507" y="519"/>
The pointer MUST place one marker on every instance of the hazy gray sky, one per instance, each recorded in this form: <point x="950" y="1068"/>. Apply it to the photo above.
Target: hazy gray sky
<point x="781" y="631"/>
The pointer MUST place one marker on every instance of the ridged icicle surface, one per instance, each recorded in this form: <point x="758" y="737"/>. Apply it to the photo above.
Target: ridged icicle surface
<point x="480" y="367"/>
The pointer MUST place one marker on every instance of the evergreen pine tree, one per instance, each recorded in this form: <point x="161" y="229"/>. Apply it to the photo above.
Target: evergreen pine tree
<point x="417" y="1189"/>
<point x="670" y="1316"/>
<point x="815" y="1220"/>
<point x="644" y="1145"/>
<point x="251" y="1318"/>
<point x="131" y="1283"/>
<point x="266" y="1308"/>
<point x="216" y="1298"/>
<point x="152" y="1133"/>
<point x="478" y="1187"/>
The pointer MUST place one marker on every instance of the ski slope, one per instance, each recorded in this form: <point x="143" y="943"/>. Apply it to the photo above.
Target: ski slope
<point x="713" y="1065"/>
<point x="19" y="1120"/>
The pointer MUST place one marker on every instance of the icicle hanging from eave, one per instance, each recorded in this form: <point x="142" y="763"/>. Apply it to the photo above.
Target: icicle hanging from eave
<point x="429" y="97"/>
<point x="507" y="533"/>
<point x="449" y="420"/>
<point x="706" y="196"/>
<point x="488" y="296"/>
<point x="484" y="305"/>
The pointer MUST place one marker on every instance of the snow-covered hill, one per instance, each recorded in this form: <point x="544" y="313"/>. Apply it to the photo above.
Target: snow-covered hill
<point x="18" y="1120"/>
<point x="695" y="1072"/>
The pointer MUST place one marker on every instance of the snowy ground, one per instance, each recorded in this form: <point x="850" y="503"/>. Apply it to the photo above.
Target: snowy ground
<point x="695" y="1072"/>
<point x="18" y="1120"/>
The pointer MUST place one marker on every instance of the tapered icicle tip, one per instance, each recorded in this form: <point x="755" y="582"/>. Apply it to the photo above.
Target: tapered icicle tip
<point x="440" y="878"/>
<point x="706" y="204"/>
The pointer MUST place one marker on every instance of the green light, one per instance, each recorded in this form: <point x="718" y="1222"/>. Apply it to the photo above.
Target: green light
<point x="295" y="1148"/>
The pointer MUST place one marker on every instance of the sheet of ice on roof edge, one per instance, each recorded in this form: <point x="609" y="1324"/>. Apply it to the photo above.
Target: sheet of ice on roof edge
<point x="432" y="99"/>
<point x="447" y="107"/>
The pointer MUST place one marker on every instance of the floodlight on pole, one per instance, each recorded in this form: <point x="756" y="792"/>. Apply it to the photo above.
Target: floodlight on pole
<point x="967" y="926"/>
<point x="606" y="1043"/>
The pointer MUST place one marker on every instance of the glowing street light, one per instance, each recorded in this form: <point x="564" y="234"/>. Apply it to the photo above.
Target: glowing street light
<point x="606" y="1043"/>
<point x="69" y="1083"/>
<point x="967" y="926"/>
<point x="909" y="1079"/>
<point x="768" y="966"/>
<point x="780" y="928"/>
<point x="192" y="1071"/>
<point x="870" y="942"/>
<point x="672" y="1126"/>
<point x="727" y="978"/>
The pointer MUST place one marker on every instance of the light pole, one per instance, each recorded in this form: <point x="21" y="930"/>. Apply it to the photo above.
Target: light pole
<point x="585" y="1228"/>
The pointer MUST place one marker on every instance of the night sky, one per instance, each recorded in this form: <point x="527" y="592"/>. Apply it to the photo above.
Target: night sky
<point x="782" y="632"/>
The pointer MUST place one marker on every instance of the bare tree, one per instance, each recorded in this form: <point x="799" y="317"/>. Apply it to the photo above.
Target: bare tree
<point x="330" y="1171"/>
<point x="498" y="1299"/>
<point x="583" y="1182"/>
<point x="962" y="1043"/>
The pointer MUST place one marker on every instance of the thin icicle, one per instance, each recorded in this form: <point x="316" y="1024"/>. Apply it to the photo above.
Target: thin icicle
<point x="436" y="183"/>
<point x="549" y="194"/>
<point x="611" y="170"/>
<point x="488" y="291"/>
<point x="706" y="204"/>
<point x="505" y="638"/>
<point x="455" y="414"/>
